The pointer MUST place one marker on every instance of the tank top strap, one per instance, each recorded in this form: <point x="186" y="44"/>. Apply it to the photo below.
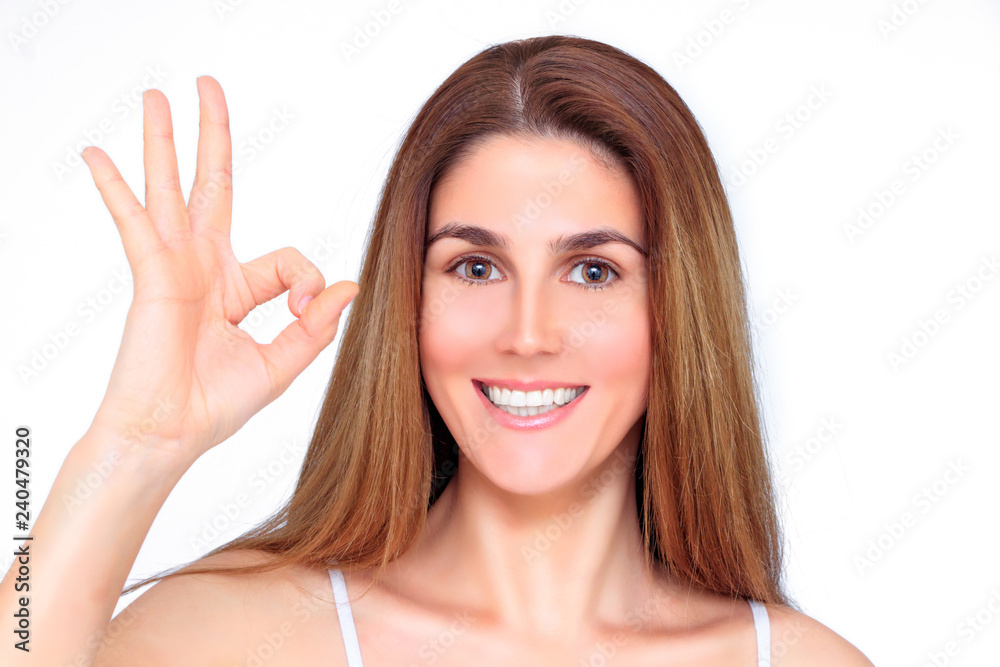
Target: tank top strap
<point x="347" y="629"/>
<point x="762" y="624"/>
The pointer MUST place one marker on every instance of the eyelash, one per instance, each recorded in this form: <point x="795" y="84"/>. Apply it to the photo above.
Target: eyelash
<point x="486" y="260"/>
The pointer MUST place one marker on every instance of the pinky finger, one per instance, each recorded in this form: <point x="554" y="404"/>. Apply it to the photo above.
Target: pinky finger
<point x="139" y="236"/>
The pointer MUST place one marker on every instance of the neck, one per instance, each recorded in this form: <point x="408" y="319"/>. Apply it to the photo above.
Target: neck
<point x="557" y="565"/>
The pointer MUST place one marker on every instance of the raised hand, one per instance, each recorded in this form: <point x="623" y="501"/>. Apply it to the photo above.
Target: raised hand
<point x="186" y="376"/>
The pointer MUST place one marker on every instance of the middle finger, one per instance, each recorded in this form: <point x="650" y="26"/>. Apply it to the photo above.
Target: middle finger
<point x="164" y="200"/>
<point x="211" y="203"/>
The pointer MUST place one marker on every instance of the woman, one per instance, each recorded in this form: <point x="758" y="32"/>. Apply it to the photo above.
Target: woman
<point x="565" y="467"/>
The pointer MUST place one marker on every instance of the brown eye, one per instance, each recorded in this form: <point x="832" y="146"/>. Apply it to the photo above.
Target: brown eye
<point x="476" y="270"/>
<point x="595" y="274"/>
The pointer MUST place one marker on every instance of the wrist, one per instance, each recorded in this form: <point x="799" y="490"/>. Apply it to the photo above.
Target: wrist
<point x="116" y="445"/>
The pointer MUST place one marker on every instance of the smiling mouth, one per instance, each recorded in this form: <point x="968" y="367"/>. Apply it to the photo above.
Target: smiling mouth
<point x="531" y="403"/>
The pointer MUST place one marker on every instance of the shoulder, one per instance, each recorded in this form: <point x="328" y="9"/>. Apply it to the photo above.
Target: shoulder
<point x="798" y="639"/>
<point x="214" y="618"/>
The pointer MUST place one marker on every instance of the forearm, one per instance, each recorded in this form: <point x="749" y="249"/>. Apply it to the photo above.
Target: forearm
<point x="85" y="541"/>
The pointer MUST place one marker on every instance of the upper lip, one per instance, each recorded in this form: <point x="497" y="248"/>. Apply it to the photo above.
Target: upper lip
<point x="527" y="385"/>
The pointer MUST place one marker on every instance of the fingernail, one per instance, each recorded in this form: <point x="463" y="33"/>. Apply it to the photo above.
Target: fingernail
<point x="303" y="301"/>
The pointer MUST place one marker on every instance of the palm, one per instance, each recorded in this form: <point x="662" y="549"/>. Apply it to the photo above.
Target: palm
<point x="191" y="354"/>
<point x="186" y="374"/>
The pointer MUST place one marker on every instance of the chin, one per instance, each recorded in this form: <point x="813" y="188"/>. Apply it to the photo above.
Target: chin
<point x="529" y="466"/>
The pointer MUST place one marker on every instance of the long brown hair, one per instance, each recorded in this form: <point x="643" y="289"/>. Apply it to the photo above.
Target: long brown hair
<point x="380" y="454"/>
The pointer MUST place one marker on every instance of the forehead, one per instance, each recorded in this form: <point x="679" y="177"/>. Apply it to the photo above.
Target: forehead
<point x="518" y="184"/>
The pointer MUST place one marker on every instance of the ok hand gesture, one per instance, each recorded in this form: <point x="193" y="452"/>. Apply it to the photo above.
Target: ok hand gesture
<point x="186" y="377"/>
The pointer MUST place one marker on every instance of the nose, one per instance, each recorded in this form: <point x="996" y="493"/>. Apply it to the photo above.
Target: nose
<point x="533" y="324"/>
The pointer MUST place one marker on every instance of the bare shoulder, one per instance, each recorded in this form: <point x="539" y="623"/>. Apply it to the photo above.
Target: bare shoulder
<point x="219" y="618"/>
<point x="798" y="639"/>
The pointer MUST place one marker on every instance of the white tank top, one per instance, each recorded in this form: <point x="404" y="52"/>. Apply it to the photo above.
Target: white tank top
<point x="760" y="622"/>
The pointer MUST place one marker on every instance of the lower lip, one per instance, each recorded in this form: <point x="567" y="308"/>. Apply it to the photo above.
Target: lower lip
<point x="531" y="422"/>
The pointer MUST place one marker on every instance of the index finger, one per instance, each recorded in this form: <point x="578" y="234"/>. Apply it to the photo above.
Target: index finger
<point x="139" y="236"/>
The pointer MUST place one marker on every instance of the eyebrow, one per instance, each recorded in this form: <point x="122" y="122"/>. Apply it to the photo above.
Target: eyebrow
<point x="480" y="236"/>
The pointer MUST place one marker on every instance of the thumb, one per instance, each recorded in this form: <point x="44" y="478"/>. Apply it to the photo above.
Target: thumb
<point x="301" y="341"/>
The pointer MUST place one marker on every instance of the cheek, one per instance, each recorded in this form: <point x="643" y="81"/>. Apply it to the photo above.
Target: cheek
<point x="613" y="343"/>
<point x="455" y="328"/>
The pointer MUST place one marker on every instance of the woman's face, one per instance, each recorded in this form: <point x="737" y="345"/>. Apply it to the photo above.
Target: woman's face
<point x="528" y="307"/>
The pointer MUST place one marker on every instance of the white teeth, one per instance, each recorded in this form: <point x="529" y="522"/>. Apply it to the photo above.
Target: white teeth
<point x="518" y="399"/>
<point x="527" y="403"/>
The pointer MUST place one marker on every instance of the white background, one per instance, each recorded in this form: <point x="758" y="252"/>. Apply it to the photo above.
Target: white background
<point x="855" y="438"/>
